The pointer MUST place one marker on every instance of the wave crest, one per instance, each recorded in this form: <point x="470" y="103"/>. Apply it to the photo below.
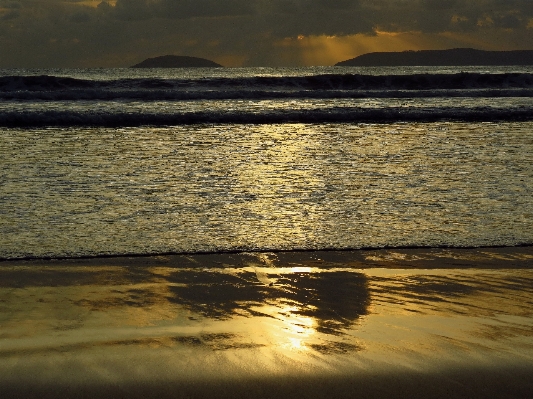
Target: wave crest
<point x="45" y="87"/>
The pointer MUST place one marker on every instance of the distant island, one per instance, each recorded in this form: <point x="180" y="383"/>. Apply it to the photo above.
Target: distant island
<point x="176" y="61"/>
<point x="452" y="57"/>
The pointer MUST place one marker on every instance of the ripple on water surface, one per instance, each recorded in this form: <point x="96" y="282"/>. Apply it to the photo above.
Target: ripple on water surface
<point x="86" y="191"/>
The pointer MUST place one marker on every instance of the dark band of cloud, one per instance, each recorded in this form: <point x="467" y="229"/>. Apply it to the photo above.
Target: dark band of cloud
<point x="87" y="32"/>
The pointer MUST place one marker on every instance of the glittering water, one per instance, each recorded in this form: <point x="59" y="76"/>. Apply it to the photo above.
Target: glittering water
<point x="211" y="187"/>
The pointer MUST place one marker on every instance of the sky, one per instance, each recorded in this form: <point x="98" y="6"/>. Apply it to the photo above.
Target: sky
<point x="234" y="33"/>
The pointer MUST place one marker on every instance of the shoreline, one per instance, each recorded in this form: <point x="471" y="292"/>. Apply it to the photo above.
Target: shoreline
<point x="518" y="256"/>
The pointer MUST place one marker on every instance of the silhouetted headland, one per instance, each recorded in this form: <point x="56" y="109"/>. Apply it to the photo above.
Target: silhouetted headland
<point x="452" y="57"/>
<point x="176" y="61"/>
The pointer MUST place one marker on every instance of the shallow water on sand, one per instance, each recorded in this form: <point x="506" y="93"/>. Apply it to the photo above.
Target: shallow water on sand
<point x="181" y="326"/>
<point x="89" y="191"/>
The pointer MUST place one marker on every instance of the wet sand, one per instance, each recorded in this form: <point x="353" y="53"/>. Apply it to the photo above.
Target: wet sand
<point x="374" y="324"/>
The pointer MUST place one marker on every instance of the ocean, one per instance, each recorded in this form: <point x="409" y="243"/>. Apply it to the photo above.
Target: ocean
<point x="315" y="232"/>
<point x="157" y="161"/>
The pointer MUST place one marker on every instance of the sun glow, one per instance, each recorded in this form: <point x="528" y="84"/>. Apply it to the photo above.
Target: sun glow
<point x="297" y="329"/>
<point x="328" y="50"/>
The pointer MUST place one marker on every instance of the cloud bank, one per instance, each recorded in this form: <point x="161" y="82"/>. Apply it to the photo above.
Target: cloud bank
<point x="119" y="33"/>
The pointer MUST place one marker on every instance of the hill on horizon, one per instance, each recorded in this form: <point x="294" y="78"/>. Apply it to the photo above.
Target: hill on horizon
<point x="451" y="57"/>
<point x="176" y="61"/>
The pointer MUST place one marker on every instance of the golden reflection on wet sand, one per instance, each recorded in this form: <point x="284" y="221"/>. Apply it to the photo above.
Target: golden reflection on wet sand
<point x="98" y="326"/>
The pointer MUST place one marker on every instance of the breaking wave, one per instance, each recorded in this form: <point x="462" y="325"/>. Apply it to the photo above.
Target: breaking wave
<point x="34" y="101"/>
<point x="46" y="87"/>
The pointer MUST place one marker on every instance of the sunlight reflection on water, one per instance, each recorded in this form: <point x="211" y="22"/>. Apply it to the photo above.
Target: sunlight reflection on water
<point x="86" y="191"/>
<point x="308" y="310"/>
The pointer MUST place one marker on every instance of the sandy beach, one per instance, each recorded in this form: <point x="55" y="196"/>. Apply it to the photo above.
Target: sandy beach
<point x="373" y="324"/>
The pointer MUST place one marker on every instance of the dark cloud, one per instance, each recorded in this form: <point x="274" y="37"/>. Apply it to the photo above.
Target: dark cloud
<point x="9" y="11"/>
<point x="10" y="5"/>
<point x="104" y="6"/>
<point x="80" y="17"/>
<point x="11" y="14"/>
<point x="429" y="5"/>
<point x="132" y="10"/>
<point x="181" y="9"/>
<point x="294" y="6"/>
<point x="78" y="33"/>
<point x="203" y="8"/>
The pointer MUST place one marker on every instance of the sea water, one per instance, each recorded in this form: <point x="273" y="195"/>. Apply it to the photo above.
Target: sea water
<point x="129" y="161"/>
